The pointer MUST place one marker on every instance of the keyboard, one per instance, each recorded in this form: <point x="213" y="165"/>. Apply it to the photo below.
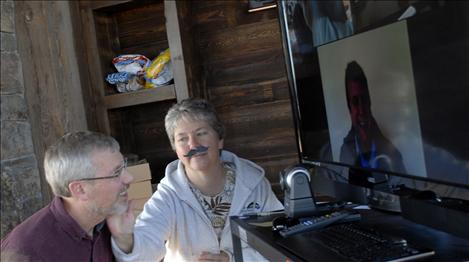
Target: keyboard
<point x="364" y="244"/>
<point x="353" y="242"/>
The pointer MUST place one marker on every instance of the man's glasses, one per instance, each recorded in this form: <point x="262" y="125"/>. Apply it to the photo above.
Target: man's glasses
<point x="117" y="173"/>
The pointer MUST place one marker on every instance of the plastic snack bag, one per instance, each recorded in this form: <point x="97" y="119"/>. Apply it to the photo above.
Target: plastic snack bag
<point x="159" y="72"/>
<point x="125" y="82"/>
<point x="134" y="64"/>
<point x="164" y="77"/>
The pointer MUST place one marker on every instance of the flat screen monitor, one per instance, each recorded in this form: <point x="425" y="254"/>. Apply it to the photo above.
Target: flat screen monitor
<point x="381" y="87"/>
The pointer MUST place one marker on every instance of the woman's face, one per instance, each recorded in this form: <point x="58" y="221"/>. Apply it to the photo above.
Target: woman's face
<point x="190" y="134"/>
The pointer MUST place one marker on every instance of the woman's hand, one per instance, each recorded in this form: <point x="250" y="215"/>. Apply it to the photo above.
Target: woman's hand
<point x="207" y="256"/>
<point x="121" y="227"/>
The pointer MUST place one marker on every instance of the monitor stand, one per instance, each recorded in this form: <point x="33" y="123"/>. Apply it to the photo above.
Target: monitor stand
<point x="363" y="187"/>
<point x="385" y="201"/>
<point x="380" y="194"/>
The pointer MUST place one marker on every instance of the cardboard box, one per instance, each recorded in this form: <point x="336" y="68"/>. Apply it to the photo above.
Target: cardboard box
<point x="140" y="172"/>
<point x="137" y="212"/>
<point x="139" y="203"/>
<point x="138" y="206"/>
<point x="140" y="190"/>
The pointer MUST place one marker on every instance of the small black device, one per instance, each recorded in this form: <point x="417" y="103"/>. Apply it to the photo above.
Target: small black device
<point x="313" y="223"/>
<point x="298" y="196"/>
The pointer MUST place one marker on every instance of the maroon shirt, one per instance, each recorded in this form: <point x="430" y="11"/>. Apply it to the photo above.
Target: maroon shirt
<point x="51" y="234"/>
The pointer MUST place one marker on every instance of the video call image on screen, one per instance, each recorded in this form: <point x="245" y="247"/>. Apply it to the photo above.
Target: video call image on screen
<point x="382" y="85"/>
<point x="377" y="123"/>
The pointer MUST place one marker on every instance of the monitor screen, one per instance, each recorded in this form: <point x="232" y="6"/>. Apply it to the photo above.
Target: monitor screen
<point x="381" y="86"/>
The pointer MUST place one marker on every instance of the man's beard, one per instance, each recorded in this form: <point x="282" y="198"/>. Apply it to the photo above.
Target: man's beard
<point x="116" y="209"/>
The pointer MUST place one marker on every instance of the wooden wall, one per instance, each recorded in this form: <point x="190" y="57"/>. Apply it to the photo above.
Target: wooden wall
<point x="51" y="76"/>
<point x="242" y="67"/>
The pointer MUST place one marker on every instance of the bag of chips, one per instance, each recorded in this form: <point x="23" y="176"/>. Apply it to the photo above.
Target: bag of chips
<point x="159" y="72"/>
<point x="134" y="64"/>
<point x="125" y="82"/>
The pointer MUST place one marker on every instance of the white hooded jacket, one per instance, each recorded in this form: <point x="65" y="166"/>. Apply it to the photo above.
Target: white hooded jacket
<point x="174" y="216"/>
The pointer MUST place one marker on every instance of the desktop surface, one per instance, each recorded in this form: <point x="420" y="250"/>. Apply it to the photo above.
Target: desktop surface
<point x="255" y="232"/>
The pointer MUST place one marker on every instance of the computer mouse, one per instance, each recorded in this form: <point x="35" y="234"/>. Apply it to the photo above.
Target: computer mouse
<point x="281" y="223"/>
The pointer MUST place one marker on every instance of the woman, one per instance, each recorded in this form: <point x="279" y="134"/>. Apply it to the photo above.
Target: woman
<point x="187" y="218"/>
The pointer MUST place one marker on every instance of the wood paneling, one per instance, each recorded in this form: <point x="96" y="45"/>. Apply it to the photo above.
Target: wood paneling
<point x="250" y="93"/>
<point x="51" y="79"/>
<point x="142" y="26"/>
<point x="260" y="129"/>
<point x="244" y="74"/>
<point x="140" y="130"/>
<point x="245" y="41"/>
<point x="214" y="15"/>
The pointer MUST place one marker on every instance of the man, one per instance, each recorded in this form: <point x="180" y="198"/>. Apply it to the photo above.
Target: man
<point x="365" y="145"/>
<point x="88" y="177"/>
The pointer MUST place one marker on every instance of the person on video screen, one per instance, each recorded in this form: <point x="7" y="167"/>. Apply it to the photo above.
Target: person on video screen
<point x="365" y="145"/>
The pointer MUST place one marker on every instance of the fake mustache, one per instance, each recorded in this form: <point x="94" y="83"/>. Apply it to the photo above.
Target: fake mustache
<point x="199" y="149"/>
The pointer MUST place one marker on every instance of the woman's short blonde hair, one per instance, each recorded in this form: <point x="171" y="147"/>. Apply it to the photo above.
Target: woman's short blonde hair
<point x="194" y="109"/>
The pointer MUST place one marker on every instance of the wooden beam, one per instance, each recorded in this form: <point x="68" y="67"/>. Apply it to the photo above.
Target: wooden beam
<point x="51" y="81"/>
<point x="177" y="56"/>
<point x="93" y="5"/>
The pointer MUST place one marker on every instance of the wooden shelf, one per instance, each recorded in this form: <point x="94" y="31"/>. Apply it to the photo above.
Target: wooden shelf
<point x="140" y="97"/>
<point x="114" y="27"/>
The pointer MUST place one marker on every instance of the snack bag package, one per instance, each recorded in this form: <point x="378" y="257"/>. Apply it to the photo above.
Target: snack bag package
<point x="163" y="78"/>
<point x="159" y="72"/>
<point x="133" y="64"/>
<point x="125" y="82"/>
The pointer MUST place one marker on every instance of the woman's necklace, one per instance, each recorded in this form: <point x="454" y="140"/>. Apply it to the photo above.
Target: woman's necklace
<point x="217" y="207"/>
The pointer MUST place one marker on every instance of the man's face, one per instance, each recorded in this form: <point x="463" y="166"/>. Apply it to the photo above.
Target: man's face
<point x="109" y="196"/>
<point x="190" y="134"/>
<point x="360" y="112"/>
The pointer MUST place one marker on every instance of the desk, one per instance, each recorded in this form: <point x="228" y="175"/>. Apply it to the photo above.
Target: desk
<point x="447" y="247"/>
